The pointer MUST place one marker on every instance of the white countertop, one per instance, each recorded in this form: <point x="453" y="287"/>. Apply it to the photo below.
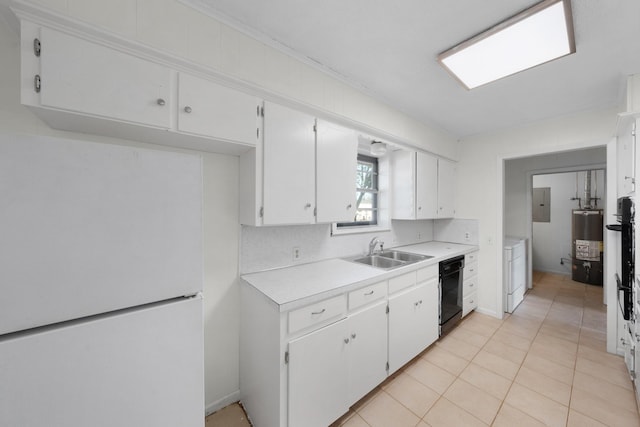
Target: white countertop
<point x="295" y="286"/>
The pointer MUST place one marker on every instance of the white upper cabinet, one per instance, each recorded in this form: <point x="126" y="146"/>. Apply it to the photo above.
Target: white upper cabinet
<point x="86" y="86"/>
<point x="83" y="77"/>
<point x="626" y="153"/>
<point x="446" y="188"/>
<point x="423" y="186"/>
<point x="336" y="163"/>
<point x="209" y="109"/>
<point x="289" y="166"/>
<point x="415" y="185"/>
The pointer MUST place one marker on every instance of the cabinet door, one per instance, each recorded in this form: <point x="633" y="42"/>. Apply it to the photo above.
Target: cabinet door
<point x="336" y="163"/>
<point x="426" y="186"/>
<point x="367" y="350"/>
<point x="446" y="188"/>
<point x="84" y="77"/>
<point x="626" y="159"/>
<point x="289" y="166"/>
<point x="403" y="164"/>
<point x="209" y="109"/>
<point x="413" y="323"/>
<point x="318" y="376"/>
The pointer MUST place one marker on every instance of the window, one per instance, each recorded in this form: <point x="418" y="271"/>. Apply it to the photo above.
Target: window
<point x="366" y="193"/>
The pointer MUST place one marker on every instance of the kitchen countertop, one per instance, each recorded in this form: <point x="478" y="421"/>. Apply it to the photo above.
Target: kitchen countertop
<point x="299" y="285"/>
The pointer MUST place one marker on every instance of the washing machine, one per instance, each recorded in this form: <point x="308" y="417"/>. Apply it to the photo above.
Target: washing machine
<point x="515" y="272"/>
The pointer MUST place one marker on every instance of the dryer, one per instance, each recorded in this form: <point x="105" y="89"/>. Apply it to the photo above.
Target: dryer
<point x="515" y="272"/>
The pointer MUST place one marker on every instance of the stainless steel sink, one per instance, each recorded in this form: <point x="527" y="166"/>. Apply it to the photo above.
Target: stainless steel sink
<point x="404" y="256"/>
<point x="380" y="262"/>
<point x="390" y="259"/>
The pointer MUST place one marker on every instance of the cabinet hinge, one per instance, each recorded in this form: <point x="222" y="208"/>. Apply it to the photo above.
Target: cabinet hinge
<point x="261" y="111"/>
<point x="37" y="48"/>
<point x="387" y="367"/>
<point x="261" y="213"/>
<point x="387" y="308"/>
<point x="315" y="128"/>
<point x="257" y="133"/>
<point x="315" y="211"/>
<point x="36" y="83"/>
<point x="286" y="357"/>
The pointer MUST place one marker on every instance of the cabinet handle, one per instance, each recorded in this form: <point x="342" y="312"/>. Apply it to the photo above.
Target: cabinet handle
<point x="307" y="206"/>
<point x="417" y="303"/>
<point x="160" y="102"/>
<point x="187" y="109"/>
<point x="353" y="336"/>
<point x="471" y="285"/>
<point x="346" y="340"/>
<point x="419" y="208"/>
<point x="369" y="293"/>
<point x="349" y="206"/>
<point x="319" y="312"/>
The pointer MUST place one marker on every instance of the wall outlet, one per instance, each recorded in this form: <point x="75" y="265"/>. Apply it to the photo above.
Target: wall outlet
<point x="296" y="253"/>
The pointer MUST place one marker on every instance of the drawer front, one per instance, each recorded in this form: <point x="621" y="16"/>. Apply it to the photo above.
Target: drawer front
<point x="317" y="313"/>
<point x="469" y="286"/>
<point x="469" y="303"/>
<point x="472" y="257"/>
<point x="366" y="295"/>
<point x="470" y="270"/>
<point x="428" y="273"/>
<point x="402" y="282"/>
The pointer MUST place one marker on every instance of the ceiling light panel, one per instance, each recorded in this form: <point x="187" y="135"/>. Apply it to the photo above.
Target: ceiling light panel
<point x="537" y="35"/>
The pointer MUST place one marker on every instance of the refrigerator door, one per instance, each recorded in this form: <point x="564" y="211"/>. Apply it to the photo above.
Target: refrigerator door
<point x="88" y="228"/>
<point x="143" y="367"/>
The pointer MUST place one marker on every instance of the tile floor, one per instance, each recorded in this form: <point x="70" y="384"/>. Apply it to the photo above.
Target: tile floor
<point x="545" y="365"/>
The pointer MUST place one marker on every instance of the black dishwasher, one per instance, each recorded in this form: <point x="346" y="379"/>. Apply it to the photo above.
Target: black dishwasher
<point x="450" y="293"/>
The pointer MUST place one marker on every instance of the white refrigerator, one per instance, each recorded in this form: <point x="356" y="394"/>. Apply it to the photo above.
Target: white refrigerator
<point x="101" y="273"/>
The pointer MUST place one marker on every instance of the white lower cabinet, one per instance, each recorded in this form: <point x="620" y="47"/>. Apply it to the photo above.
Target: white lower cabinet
<point x="470" y="284"/>
<point x="413" y="322"/>
<point x="307" y="366"/>
<point x="318" y="376"/>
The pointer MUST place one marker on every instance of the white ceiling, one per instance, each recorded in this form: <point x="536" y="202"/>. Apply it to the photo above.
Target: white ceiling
<point x="389" y="48"/>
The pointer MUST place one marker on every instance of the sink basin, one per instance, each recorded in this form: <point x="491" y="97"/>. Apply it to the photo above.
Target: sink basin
<point x="404" y="256"/>
<point x="390" y="259"/>
<point x="379" y="261"/>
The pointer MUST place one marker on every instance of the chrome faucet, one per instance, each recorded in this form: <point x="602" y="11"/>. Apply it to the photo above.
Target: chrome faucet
<point x="373" y="243"/>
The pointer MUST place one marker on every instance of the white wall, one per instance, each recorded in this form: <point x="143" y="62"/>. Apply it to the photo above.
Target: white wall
<point x="481" y="179"/>
<point x="552" y="240"/>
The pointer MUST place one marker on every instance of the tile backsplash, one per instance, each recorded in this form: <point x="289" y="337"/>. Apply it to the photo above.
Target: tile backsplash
<point x="264" y="248"/>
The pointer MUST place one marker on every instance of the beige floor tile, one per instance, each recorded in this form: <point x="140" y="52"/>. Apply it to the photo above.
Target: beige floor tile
<point x="229" y="416"/>
<point x="594" y="407"/>
<point x="446" y="414"/>
<point x="554" y="353"/>
<point x="565" y="332"/>
<point x="458" y="347"/>
<point x="603" y="358"/>
<point x="508" y="416"/>
<point x="534" y="404"/>
<point x="354" y="421"/>
<point x="497" y="364"/>
<point x="549" y="368"/>
<point x="383" y="411"/>
<point x="445" y="360"/>
<point x="613" y="394"/>
<point x="494" y="384"/>
<point x="576" y="419"/>
<point x="505" y="351"/>
<point x="593" y="339"/>
<point x="480" y="327"/>
<point x="430" y="375"/>
<point x="615" y="376"/>
<point x="546" y="386"/>
<point x="470" y="337"/>
<point x="473" y="400"/>
<point x="369" y="396"/>
<point x="516" y="341"/>
<point x="417" y="397"/>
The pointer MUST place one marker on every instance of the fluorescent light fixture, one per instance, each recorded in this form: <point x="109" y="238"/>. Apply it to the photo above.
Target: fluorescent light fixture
<point x="535" y="36"/>
<point x="378" y="148"/>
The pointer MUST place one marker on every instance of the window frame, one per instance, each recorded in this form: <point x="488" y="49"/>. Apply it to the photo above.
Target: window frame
<point x="375" y="190"/>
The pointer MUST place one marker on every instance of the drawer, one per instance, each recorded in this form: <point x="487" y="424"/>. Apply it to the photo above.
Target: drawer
<point x="469" y="303"/>
<point x="470" y="270"/>
<point x="472" y="257"/>
<point x="469" y="286"/>
<point x="427" y="273"/>
<point x="402" y="282"/>
<point x="316" y="313"/>
<point x="365" y="295"/>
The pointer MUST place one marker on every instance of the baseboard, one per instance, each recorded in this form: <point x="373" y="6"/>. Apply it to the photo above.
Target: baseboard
<point x="221" y="403"/>
<point x="487" y="312"/>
